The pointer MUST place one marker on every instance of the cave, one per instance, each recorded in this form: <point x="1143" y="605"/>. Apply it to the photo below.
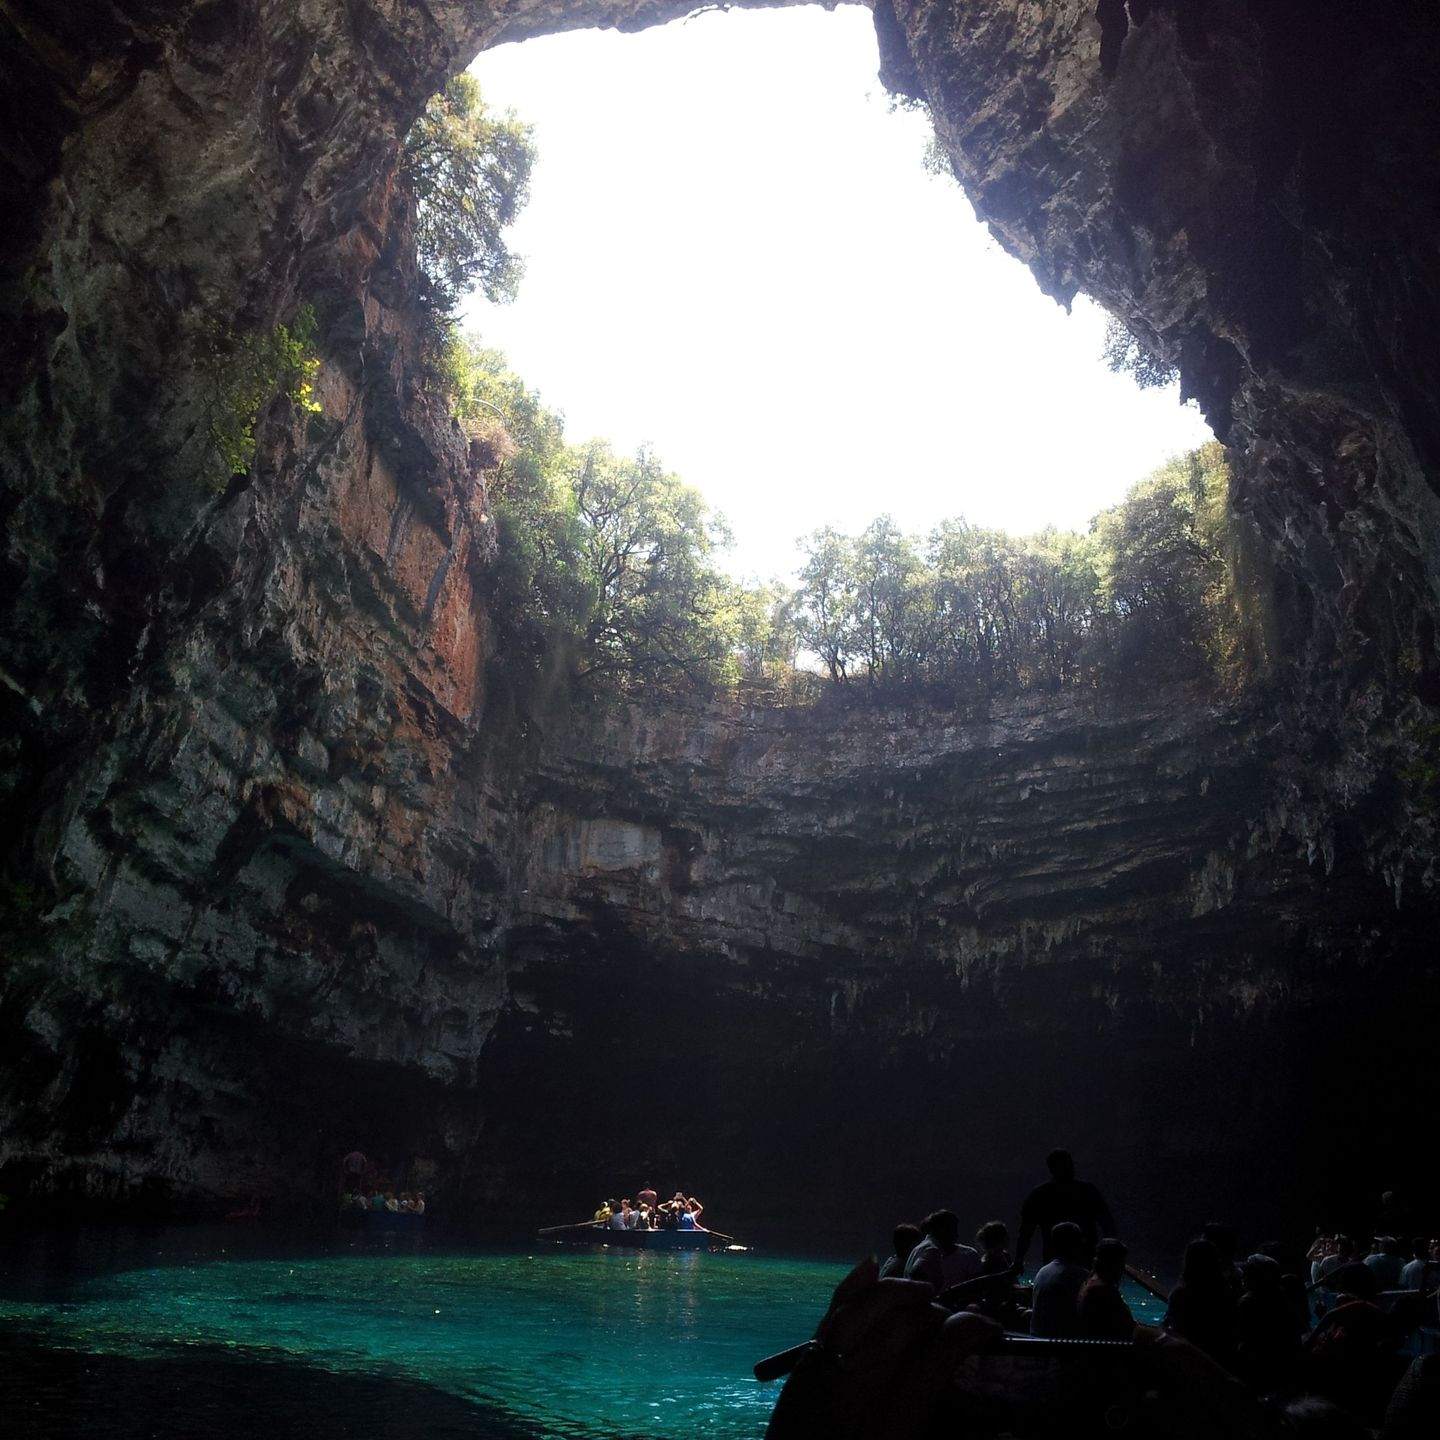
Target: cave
<point x="287" y="864"/>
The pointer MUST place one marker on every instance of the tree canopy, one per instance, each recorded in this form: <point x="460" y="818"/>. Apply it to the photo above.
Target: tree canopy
<point x="1125" y="354"/>
<point x="608" y="571"/>
<point x="469" y="171"/>
<point x="1151" y="590"/>
<point x="607" y="574"/>
<point x="605" y="561"/>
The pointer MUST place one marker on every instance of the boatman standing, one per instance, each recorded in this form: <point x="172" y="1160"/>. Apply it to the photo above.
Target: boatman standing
<point x="1060" y="1199"/>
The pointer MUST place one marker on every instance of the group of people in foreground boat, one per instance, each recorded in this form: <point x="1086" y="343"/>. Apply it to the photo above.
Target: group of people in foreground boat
<point x="649" y="1212"/>
<point x="1252" y="1316"/>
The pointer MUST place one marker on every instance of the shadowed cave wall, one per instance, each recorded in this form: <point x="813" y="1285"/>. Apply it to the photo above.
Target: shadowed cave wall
<point x="290" y="867"/>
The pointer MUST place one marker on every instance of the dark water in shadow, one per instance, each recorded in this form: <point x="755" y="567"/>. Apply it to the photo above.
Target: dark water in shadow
<point x="48" y="1394"/>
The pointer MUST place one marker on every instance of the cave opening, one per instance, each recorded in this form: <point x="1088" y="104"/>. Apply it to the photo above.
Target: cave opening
<point x="706" y="183"/>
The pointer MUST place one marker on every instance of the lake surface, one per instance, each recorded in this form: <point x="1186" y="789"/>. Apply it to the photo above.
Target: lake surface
<point x="590" y="1344"/>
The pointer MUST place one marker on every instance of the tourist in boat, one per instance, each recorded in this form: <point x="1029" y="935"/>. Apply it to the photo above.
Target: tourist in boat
<point x="940" y="1259"/>
<point x="621" y="1219"/>
<point x="1393" y="1215"/>
<point x="603" y="1214"/>
<point x="353" y="1169"/>
<point x="993" y="1241"/>
<point x="1423" y="1272"/>
<point x="647" y="1198"/>
<point x="1267" y="1338"/>
<point x="904" y="1239"/>
<point x="1202" y="1309"/>
<point x="1062" y="1199"/>
<point x="1055" y="1307"/>
<point x="689" y="1217"/>
<point x="377" y="1200"/>
<point x="1227" y="1246"/>
<point x="1387" y="1260"/>
<point x="1321" y="1248"/>
<point x="1349" y="1355"/>
<point x="997" y="1300"/>
<point x="1335" y="1251"/>
<point x="1101" y="1308"/>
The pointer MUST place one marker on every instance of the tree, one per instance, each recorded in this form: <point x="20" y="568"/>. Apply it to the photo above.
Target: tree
<point x="1161" y="570"/>
<point x="469" y="172"/>
<point x="888" y="578"/>
<point x="656" y="603"/>
<point x="538" y="597"/>
<point x="826" y="599"/>
<point x="1059" y="592"/>
<point x="1126" y="354"/>
<point x="763" y="627"/>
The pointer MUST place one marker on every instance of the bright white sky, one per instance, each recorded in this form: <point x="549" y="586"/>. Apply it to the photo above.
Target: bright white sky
<point x="733" y="252"/>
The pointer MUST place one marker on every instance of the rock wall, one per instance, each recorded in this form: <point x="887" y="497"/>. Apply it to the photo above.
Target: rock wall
<point x="282" y="876"/>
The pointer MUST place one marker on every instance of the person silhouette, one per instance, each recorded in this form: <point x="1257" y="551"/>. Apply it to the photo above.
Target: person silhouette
<point x="1062" y="1198"/>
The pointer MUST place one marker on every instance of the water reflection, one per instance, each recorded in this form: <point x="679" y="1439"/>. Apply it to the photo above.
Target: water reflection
<point x="574" y="1343"/>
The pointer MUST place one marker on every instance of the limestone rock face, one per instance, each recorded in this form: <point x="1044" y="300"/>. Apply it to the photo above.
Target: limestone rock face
<point x="287" y="871"/>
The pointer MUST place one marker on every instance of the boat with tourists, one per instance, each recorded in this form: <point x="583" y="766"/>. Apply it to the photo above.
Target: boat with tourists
<point x="651" y="1224"/>
<point x="592" y="1232"/>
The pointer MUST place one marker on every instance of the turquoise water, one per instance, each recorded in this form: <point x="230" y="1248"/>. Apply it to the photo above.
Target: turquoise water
<point x="572" y="1343"/>
<point x="566" y="1343"/>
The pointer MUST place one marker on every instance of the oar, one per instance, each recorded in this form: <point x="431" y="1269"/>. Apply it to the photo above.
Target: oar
<point x="721" y="1235"/>
<point x="578" y="1225"/>
<point x="1147" y="1282"/>
<point x="960" y="1292"/>
<point x="774" y="1367"/>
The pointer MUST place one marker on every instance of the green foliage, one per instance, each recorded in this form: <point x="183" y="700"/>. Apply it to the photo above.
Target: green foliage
<point x="763" y="628"/>
<point x="1160" y="566"/>
<point x="469" y="172"/>
<point x="246" y="372"/>
<point x="654" y="599"/>
<point x="1173" y="573"/>
<point x="606" y="574"/>
<point x="1150" y="592"/>
<point x="605" y="562"/>
<point x="1126" y="355"/>
<point x="826" y="601"/>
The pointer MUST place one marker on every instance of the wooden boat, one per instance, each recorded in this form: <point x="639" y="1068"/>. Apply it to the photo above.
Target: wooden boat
<point x="590" y="1233"/>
